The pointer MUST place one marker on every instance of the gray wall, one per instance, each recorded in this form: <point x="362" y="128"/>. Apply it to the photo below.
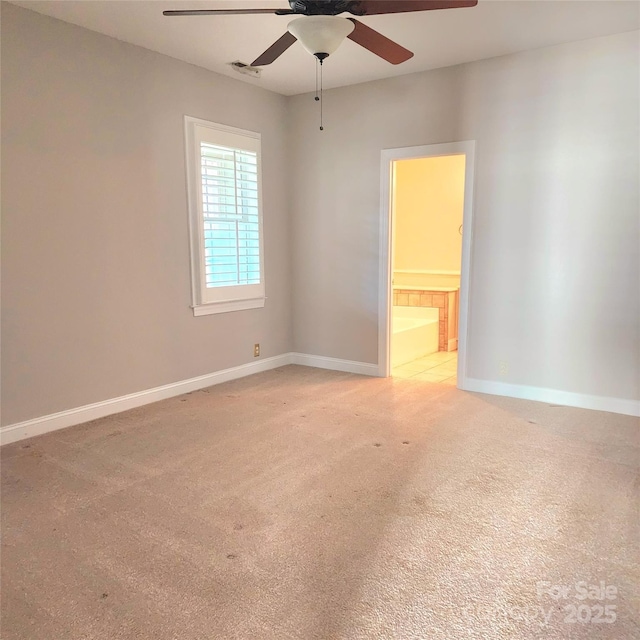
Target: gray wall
<point x="554" y="283"/>
<point x="95" y="263"/>
<point x="95" y="260"/>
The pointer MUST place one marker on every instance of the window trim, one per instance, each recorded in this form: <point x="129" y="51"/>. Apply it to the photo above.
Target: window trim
<point x="254" y="294"/>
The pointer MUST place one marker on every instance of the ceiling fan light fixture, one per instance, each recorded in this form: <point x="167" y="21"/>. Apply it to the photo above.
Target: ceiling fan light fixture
<point x="321" y="35"/>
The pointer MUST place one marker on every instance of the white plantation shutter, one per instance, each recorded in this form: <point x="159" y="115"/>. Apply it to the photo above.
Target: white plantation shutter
<point x="223" y="165"/>
<point x="230" y="216"/>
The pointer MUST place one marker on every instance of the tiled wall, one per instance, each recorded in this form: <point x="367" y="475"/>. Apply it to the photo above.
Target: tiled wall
<point x="445" y="302"/>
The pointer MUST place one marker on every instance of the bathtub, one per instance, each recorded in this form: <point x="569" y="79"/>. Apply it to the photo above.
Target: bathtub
<point x="415" y="333"/>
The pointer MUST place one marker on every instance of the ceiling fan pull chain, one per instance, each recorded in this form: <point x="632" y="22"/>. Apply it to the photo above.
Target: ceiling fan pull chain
<point x="321" y="96"/>
<point x="318" y="98"/>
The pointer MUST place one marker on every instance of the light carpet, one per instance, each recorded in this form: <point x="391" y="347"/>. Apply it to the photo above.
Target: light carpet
<point x="309" y="504"/>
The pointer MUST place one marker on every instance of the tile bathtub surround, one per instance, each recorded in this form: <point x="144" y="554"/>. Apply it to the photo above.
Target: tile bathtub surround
<point x="441" y="300"/>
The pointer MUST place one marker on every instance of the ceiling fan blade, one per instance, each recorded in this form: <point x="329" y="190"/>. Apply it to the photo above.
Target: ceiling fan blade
<point x="377" y="43"/>
<point x="376" y="7"/>
<point x="223" y="12"/>
<point x="275" y="50"/>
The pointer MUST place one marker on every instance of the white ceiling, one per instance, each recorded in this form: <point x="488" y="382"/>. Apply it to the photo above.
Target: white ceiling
<point x="438" y="38"/>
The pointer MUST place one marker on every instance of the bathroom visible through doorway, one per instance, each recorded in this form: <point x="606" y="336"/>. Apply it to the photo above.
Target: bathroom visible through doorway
<point x="425" y="250"/>
<point x="427" y="206"/>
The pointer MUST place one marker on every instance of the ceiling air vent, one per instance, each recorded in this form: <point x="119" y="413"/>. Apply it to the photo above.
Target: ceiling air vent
<point x="246" y="69"/>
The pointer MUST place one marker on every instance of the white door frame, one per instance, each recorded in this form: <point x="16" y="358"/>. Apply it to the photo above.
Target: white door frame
<point x="385" y="290"/>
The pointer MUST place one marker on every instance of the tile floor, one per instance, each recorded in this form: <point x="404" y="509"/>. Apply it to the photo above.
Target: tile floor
<point x="436" y="367"/>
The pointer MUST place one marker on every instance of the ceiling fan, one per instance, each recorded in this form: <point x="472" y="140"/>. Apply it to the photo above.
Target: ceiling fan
<point x="321" y="30"/>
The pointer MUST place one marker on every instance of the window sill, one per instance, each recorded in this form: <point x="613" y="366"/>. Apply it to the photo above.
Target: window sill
<point x="227" y="306"/>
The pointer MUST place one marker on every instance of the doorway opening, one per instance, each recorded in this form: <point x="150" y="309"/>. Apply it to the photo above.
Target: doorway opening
<point x="425" y="256"/>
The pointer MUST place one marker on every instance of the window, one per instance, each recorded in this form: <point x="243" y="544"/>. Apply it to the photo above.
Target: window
<point x="225" y="217"/>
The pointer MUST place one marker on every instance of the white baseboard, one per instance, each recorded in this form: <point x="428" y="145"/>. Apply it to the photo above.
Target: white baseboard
<point x="63" y="419"/>
<point x="335" y="364"/>
<point x="71" y="417"/>
<point x="552" y="396"/>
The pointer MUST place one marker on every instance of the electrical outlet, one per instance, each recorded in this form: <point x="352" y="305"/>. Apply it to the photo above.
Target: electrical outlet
<point x="503" y="368"/>
<point x="256" y="350"/>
